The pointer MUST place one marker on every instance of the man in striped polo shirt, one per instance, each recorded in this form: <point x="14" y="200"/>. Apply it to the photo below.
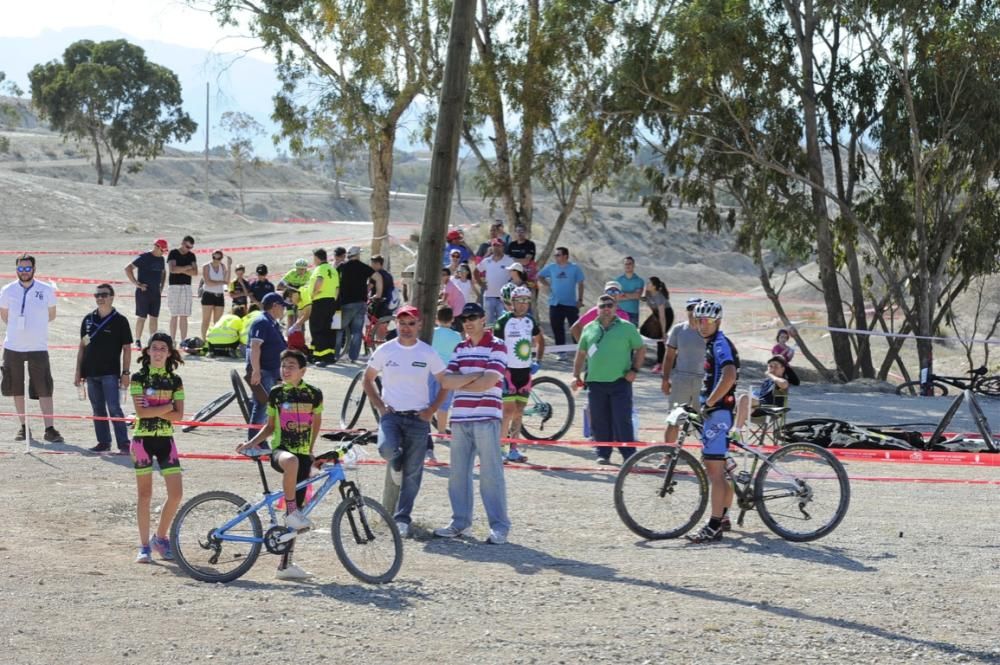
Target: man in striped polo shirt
<point x="476" y="413"/>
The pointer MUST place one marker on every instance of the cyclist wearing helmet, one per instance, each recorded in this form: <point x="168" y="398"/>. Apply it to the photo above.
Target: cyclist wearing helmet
<point x="518" y="331"/>
<point x="718" y="400"/>
<point x="291" y="285"/>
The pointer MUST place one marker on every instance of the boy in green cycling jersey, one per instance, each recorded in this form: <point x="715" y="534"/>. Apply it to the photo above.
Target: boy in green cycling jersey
<point x="294" y="416"/>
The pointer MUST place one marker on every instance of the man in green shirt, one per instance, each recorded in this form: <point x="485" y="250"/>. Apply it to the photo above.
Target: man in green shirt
<point x="613" y="352"/>
<point x="323" y="287"/>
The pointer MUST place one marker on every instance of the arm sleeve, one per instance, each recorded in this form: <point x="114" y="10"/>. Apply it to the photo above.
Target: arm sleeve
<point x="317" y="400"/>
<point x="672" y="337"/>
<point x="178" y="388"/>
<point x="50" y="298"/>
<point x="434" y="363"/>
<point x="498" y="359"/>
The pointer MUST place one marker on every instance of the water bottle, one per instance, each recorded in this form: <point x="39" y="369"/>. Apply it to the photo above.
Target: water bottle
<point x="586" y="415"/>
<point x="730" y="463"/>
<point x="81" y="391"/>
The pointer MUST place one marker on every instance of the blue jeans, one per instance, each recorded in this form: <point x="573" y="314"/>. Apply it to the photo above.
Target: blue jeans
<point x="352" y="323"/>
<point x="258" y="411"/>
<point x="611" y="415"/>
<point x="494" y="309"/>
<point x="105" y="401"/>
<point x="468" y="439"/>
<point x="559" y="317"/>
<point x="402" y="441"/>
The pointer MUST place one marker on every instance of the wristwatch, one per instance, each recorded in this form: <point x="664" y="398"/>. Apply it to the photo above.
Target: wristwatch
<point x="126" y="372"/>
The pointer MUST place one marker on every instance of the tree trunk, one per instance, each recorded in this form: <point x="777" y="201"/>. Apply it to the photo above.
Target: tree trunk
<point x="97" y="158"/>
<point x="531" y="98"/>
<point x="336" y="172"/>
<point x="864" y="350"/>
<point x="380" y="172"/>
<point x="116" y="171"/>
<point x="586" y="167"/>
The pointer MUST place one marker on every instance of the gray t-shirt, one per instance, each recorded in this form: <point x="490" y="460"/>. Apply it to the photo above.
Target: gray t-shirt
<point x="690" y="349"/>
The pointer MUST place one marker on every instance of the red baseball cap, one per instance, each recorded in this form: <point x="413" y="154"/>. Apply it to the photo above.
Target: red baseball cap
<point x="161" y="243"/>
<point x="408" y="310"/>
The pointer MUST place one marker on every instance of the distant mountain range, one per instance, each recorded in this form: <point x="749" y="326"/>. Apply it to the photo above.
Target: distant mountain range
<point x="237" y="83"/>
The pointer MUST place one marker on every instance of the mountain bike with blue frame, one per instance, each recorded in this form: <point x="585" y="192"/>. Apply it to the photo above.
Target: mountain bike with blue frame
<point x="218" y="535"/>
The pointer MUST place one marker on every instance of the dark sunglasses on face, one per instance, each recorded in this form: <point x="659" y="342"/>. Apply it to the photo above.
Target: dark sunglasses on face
<point x="24" y="268"/>
<point x="471" y="317"/>
<point x="102" y="294"/>
<point x="606" y="305"/>
<point x="216" y="256"/>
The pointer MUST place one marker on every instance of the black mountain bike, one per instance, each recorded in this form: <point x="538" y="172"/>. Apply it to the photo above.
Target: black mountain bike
<point x="212" y="409"/>
<point x="975" y="380"/>
<point x="801" y="491"/>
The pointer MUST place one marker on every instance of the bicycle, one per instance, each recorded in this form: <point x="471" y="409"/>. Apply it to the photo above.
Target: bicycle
<point x="975" y="380"/>
<point x="215" y="407"/>
<point x="550" y="405"/>
<point x="662" y="491"/>
<point x="218" y="535"/>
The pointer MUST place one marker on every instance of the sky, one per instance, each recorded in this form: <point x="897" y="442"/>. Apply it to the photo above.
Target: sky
<point x="170" y="21"/>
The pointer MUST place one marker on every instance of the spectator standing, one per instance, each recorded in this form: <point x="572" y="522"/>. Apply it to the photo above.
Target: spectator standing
<point x="520" y="248"/>
<point x="496" y="231"/>
<point x="182" y="265"/>
<point x="463" y="280"/>
<point x="103" y="360"/>
<point x="323" y="289"/>
<point x="492" y="274"/>
<point x="455" y="260"/>
<point x="339" y="256"/>
<point x="632" y="287"/>
<point x="683" y="365"/>
<point x="261" y="286"/>
<point x="354" y="276"/>
<point x="239" y="288"/>
<point x="456" y="241"/>
<point x="612" y="289"/>
<point x="149" y="283"/>
<point x="515" y="271"/>
<point x="27" y="306"/>
<point x="215" y="277"/>
<point x="264" y="346"/>
<point x="565" y="282"/>
<point x="475" y="426"/>
<point x="444" y="342"/>
<point x="661" y="318"/>
<point x="406" y="405"/>
<point x="450" y="296"/>
<point x="612" y="351"/>
<point x="383" y="293"/>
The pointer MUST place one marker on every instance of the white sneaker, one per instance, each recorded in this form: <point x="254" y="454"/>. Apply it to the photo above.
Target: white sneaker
<point x="404" y="529"/>
<point x="292" y="572"/>
<point x="496" y="538"/>
<point x="297" y="521"/>
<point x="451" y="532"/>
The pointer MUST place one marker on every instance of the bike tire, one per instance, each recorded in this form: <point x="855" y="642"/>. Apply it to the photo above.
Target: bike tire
<point x="655" y="506"/>
<point x="988" y="386"/>
<point x="813" y="471"/>
<point x="353" y="406"/>
<point x="946" y="420"/>
<point x="363" y="525"/>
<point x="549" y="398"/>
<point x="982" y="424"/>
<point x="210" y="410"/>
<point x="198" y="518"/>
<point x="912" y="389"/>
<point x="242" y="397"/>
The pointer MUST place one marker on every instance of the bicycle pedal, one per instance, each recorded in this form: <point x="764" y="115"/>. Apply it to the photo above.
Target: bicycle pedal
<point x="291" y="535"/>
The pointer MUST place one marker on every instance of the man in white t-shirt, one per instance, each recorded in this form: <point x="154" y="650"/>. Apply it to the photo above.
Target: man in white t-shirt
<point x="492" y="273"/>
<point x="405" y="405"/>
<point x="26" y="308"/>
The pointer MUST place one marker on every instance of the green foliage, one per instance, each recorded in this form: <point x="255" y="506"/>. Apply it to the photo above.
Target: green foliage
<point x="110" y="93"/>
<point x="242" y="130"/>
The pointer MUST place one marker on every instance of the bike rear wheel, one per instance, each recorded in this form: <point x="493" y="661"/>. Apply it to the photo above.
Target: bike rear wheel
<point x="982" y="425"/>
<point x="548" y="415"/>
<point x="367" y="540"/>
<point x="203" y="556"/>
<point x="210" y="410"/>
<point x="989" y="386"/>
<point x="912" y="389"/>
<point x="242" y="398"/>
<point x="352" y="410"/>
<point x="661" y="492"/>
<point x="802" y="492"/>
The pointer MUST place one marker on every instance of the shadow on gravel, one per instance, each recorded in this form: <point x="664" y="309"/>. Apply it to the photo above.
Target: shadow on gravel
<point x="529" y="561"/>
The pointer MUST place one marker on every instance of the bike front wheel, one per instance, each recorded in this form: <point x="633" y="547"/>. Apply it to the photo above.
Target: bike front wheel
<point x="548" y="415"/>
<point x="210" y="410"/>
<point x="912" y="389"/>
<point x="352" y="410"/>
<point x="197" y="548"/>
<point x="367" y="540"/>
<point x="988" y="386"/>
<point x="242" y="398"/>
<point x="802" y="492"/>
<point x="661" y="492"/>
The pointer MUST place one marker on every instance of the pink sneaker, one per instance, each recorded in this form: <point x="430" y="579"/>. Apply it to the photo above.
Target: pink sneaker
<point x="657" y="369"/>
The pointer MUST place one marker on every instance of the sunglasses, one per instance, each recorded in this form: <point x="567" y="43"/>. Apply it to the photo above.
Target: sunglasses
<point x="522" y="300"/>
<point x="24" y="268"/>
<point x="216" y="256"/>
<point x="612" y="292"/>
<point x="471" y="317"/>
<point x="606" y="305"/>
<point x="102" y="294"/>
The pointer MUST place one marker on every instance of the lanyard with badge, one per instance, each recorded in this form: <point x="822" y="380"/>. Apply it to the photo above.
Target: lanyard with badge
<point x="24" y="299"/>
<point x="92" y="334"/>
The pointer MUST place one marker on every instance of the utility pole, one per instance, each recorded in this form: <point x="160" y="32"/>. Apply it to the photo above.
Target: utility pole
<point x="444" y="161"/>
<point x="207" y="125"/>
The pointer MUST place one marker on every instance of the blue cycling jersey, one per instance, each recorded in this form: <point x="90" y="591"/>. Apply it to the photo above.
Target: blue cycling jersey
<point x="719" y="352"/>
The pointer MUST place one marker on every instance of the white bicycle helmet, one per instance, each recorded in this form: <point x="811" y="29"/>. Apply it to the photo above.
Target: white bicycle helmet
<point x="708" y="309"/>
<point x="301" y="263"/>
<point x="520" y="292"/>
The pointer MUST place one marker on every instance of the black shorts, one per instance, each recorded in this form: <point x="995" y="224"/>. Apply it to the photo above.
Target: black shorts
<point x="162" y="448"/>
<point x="39" y="374"/>
<point x="147" y="303"/>
<point x="213" y="299"/>
<point x="305" y="468"/>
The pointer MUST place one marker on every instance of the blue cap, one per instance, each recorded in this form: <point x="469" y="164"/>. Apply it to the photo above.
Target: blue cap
<point x="272" y="299"/>
<point x="472" y="309"/>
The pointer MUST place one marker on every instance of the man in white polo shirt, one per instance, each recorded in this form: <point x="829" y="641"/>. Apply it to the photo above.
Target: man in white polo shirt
<point x="26" y="307"/>
<point x="405" y="405"/>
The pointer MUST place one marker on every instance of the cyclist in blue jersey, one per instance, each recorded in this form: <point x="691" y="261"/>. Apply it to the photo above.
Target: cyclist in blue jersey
<point x="718" y="401"/>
